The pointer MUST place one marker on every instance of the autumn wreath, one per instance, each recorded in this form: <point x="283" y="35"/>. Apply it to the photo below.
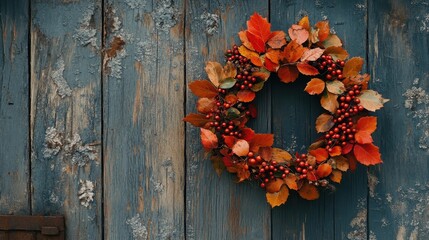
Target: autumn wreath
<point x="224" y="107"/>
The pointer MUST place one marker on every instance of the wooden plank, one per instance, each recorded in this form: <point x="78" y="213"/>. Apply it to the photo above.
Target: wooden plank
<point x="216" y="207"/>
<point x="143" y="107"/>
<point x="66" y="114"/>
<point x="294" y="114"/>
<point x="14" y="124"/>
<point x="398" y="39"/>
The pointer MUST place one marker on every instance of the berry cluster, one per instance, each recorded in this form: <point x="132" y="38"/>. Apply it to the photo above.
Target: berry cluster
<point x="302" y="166"/>
<point x="268" y="171"/>
<point x="244" y="77"/>
<point x="329" y="68"/>
<point x="343" y="130"/>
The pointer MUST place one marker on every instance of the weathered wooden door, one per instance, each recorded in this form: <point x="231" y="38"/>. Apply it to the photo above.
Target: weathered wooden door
<point x="93" y="93"/>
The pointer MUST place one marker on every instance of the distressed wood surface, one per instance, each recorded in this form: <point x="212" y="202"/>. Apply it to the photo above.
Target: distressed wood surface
<point x="66" y="114"/>
<point x="14" y="107"/>
<point x="143" y="130"/>
<point x="216" y="208"/>
<point x="399" y="60"/>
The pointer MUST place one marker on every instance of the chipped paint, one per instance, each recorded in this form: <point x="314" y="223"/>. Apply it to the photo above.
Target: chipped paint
<point x="145" y="51"/>
<point x="80" y="154"/>
<point x="53" y="198"/>
<point x="115" y="64"/>
<point x="372" y="183"/>
<point x="359" y="224"/>
<point x="139" y="230"/>
<point x="53" y="142"/>
<point x="156" y="185"/>
<point x="424" y="23"/>
<point x="360" y="6"/>
<point x="168" y="165"/>
<point x="165" y="15"/>
<point x="86" y="33"/>
<point x="57" y="75"/>
<point x="136" y="4"/>
<point x="210" y="22"/>
<point x="86" y="192"/>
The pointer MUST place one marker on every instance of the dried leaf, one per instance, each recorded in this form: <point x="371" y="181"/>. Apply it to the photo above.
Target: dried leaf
<point x="257" y="87"/>
<point x="277" y="39"/>
<point x="307" y="69"/>
<point x="227" y="83"/>
<point x="324" y="122"/>
<point x="298" y="33"/>
<point x="265" y="153"/>
<point x="365" y="127"/>
<point x="274" y="186"/>
<point x="218" y="164"/>
<point x="270" y="66"/>
<point x="367" y="154"/>
<point x="229" y="70"/>
<point x="336" y="176"/>
<point x="308" y="192"/>
<point x="332" y="41"/>
<point x="278" y="198"/>
<point x="232" y="113"/>
<point x="280" y="155"/>
<point x="206" y="105"/>
<point x="243" y="37"/>
<point x="262" y="74"/>
<point x="337" y="53"/>
<point x="231" y="98"/>
<point x="321" y="154"/>
<point x="273" y="55"/>
<point x="208" y="139"/>
<point x="358" y="80"/>
<point x="329" y="102"/>
<point x="246" y="95"/>
<point x="261" y="140"/>
<point x="229" y="141"/>
<point x="312" y="54"/>
<point x="353" y="67"/>
<point x="203" y="88"/>
<point x="324" y="30"/>
<point x="315" y="86"/>
<point x="214" y="71"/>
<point x="305" y="23"/>
<point x="324" y="170"/>
<point x="341" y="163"/>
<point x="371" y="100"/>
<point x="291" y="181"/>
<point x="335" y="87"/>
<point x="317" y="144"/>
<point x="198" y="120"/>
<point x="288" y="74"/>
<point x="292" y="52"/>
<point x="241" y="148"/>
<point x="257" y="61"/>
<point x="247" y="52"/>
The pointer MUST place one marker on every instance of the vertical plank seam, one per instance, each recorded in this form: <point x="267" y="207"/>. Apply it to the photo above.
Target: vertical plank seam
<point x="367" y="70"/>
<point x="103" y="198"/>
<point x="271" y="126"/>
<point x="185" y="210"/>
<point x="30" y="145"/>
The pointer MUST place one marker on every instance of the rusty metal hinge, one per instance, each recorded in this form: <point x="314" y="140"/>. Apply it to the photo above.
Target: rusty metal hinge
<point x="31" y="227"/>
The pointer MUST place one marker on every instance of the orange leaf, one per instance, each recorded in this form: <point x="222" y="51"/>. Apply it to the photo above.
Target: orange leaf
<point x="259" y="26"/>
<point x="229" y="141"/>
<point x="371" y="100"/>
<point x="311" y="176"/>
<point x="308" y="192"/>
<point x="257" y="43"/>
<point x="247" y="134"/>
<point x="280" y="155"/>
<point x="208" y="139"/>
<point x="247" y="53"/>
<point x="307" y="69"/>
<point x="265" y="153"/>
<point x="315" y="86"/>
<point x="305" y="23"/>
<point x="352" y="161"/>
<point x="203" y="88"/>
<point x="298" y="33"/>
<point x="256" y="61"/>
<point x="324" y="31"/>
<point x="278" y="198"/>
<point x="321" y="154"/>
<point x="198" y="120"/>
<point x="365" y="127"/>
<point x="273" y="55"/>
<point x="288" y="74"/>
<point x="261" y="140"/>
<point x="277" y="39"/>
<point x="367" y="154"/>
<point x="336" y="176"/>
<point x="312" y="54"/>
<point x="292" y="52"/>
<point x="206" y="105"/>
<point x="270" y="66"/>
<point x="324" y="170"/>
<point x="336" y="151"/>
<point x="324" y="122"/>
<point x="274" y="186"/>
<point x="337" y="53"/>
<point x="291" y="181"/>
<point x="329" y="102"/>
<point x="262" y="74"/>
<point x="240" y="169"/>
<point x="231" y="99"/>
<point x="243" y="37"/>
<point x="353" y="67"/>
<point x="246" y="96"/>
<point x="241" y="148"/>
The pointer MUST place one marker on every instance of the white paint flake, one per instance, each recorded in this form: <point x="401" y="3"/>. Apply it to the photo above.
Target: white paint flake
<point x="57" y="76"/>
<point x="417" y="102"/>
<point x="54" y="198"/>
<point x="361" y="6"/>
<point x="165" y="15"/>
<point x="136" y="4"/>
<point x="211" y="22"/>
<point x="358" y="223"/>
<point x="80" y="154"/>
<point x="372" y="183"/>
<point x="424" y="23"/>
<point x="86" y="192"/>
<point x="145" y="52"/>
<point x="115" y="64"/>
<point x="139" y="230"/>
<point x="86" y="33"/>
<point x="157" y="186"/>
<point x="53" y="143"/>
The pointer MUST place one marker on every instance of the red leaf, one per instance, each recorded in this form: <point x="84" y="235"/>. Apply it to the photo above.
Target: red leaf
<point x="298" y="33"/>
<point x="270" y="66"/>
<point x="320" y="154"/>
<point x="247" y="134"/>
<point x="253" y="111"/>
<point x="347" y="148"/>
<point x="246" y="96"/>
<point x="336" y="151"/>
<point x="198" y="120"/>
<point x="257" y="43"/>
<point x="288" y="74"/>
<point x="365" y="127"/>
<point x="243" y="37"/>
<point x="261" y="140"/>
<point x="367" y="154"/>
<point x="241" y="148"/>
<point x="259" y="26"/>
<point x="352" y="162"/>
<point x="208" y="139"/>
<point x="227" y="161"/>
<point x="203" y="88"/>
<point x="307" y="69"/>
<point x="277" y="39"/>
<point x="229" y="141"/>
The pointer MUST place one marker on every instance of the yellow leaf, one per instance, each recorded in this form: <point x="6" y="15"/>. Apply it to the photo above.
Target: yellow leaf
<point x="278" y="198"/>
<point x="290" y="181"/>
<point x="249" y="54"/>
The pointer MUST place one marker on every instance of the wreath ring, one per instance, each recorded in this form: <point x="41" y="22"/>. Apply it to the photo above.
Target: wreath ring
<point x="225" y="106"/>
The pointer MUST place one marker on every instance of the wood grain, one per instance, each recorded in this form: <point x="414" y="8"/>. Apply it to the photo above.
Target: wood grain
<point x="14" y="124"/>
<point x="143" y="131"/>
<point x="66" y="107"/>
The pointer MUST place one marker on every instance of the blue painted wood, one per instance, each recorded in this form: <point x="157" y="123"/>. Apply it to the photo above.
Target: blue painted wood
<point x="143" y="131"/>
<point x="398" y="53"/>
<point x="14" y="124"/>
<point x="216" y="207"/>
<point x="294" y="115"/>
<point x="66" y="114"/>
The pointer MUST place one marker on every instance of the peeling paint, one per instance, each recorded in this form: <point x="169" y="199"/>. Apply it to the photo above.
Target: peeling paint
<point x="165" y="15"/>
<point x="359" y="224"/>
<point x="86" y="33"/>
<point x="156" y="185"/>
<point x="53" y="198"/>
<point x="168" y="165"/>
<point x="115" y="64"/>
<point x="372" y="235"/>
<point x="86" y="192"/>
<point x="372" y="183"/>
<point x="139" y="230"/>
<point x="424" y="23"/>
<point x="145" y="51"/>
<point x="57" y="75"/>
<point x="360" y="6"/>
<point x="136" y="4"/>
<point x="211" y="22"/>
<point x="417" y="102"/>
<point x="80" y="154"/>
<point x="53" y="143"/>
<point x="166" y="230"/>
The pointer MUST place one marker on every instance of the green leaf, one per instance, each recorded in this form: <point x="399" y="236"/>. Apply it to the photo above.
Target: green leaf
<point x="233" y="113"/>
<point x="227" y="83"/>
<point x="257" y="87"/>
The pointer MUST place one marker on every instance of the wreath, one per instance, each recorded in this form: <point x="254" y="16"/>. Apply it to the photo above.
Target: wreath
<point x="225" y="106"/>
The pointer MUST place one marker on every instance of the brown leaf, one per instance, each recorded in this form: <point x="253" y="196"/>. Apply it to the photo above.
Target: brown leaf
<point x="312" y="54"/>
<point x="280" y="155"/>
<point x="262" y="74"/>
<point x="371" y="100"/>
<point x="315" y="86"/>
<point x="243" y="37"/>
<point x="231" y="98"/>
<point x="261" y="140"/>
<point x="358" y="80"/>
<point x="218" y="164"/>
<point x="208" y="139"/>
<point x="332" y="41"/>
<point x="291" y="181"/>
<point x="277" y="39"/>
<point x="308" y="192"/>
<point x="229" y="70"/>
<point x="335" y="87"/>
<point x="274" y="185"/>
<point x="317" y="144"/>
<point x="214" y="71"/>
<point x="288" y="74"/>
<point x="241" y="148"/>
<point x="298" y="33"/>
<point x="337" y="53"/>
<point x="341" y="163"/>
<point x="265" y="153"/>
<point x="198" y="120"/>
<point x="353" y="67"/>
<point x="206" y="105"/>
<point x="336" y="176"/>
<point x="203" y="88"/>
<point x="307" y="69"/>
<point x="329" y="102"/>
<point x="324" y="122"/>
<point x="278" y="198"/>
